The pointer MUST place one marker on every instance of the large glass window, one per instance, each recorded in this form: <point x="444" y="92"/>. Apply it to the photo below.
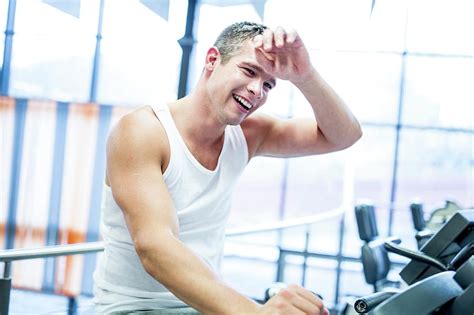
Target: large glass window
<point x="438" y="92"/>
<point x="53" y="49"/>
<point x="322" y="24"/>
<point x="368" y="82"/>
<point x="434" y="165"/>
<point x="258" y="195"/>
<point x="140" y="59"/>
<point x="442" y="26"/>
<point x="314" y="184"/>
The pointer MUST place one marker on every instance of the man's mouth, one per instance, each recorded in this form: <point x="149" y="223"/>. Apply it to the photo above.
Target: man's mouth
<point x="242" y="102"/>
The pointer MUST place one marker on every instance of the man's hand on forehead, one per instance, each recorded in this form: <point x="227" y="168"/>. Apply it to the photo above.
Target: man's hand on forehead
<point x="278" y="38"/>
<point x="283" y="54"/>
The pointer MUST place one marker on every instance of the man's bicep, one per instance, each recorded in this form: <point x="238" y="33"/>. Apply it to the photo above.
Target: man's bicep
<point x="290" y="138"/>
<point x="142" y="195"/>
<point x="136" y="179"/>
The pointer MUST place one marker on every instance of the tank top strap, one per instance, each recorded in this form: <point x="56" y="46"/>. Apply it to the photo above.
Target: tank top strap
<point x="164" y="116"/>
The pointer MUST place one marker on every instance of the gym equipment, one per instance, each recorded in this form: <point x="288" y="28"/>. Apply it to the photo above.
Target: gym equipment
<point x="426" y="228"/>
<point x="441" y="215"/>
<point x="444" y="246"/>
<point x="375" y="260"/>
<point x="423" y="234"/>
<point x="441" y="277"/>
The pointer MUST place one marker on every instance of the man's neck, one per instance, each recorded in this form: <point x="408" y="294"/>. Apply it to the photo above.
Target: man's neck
<point x="196" y="121"/>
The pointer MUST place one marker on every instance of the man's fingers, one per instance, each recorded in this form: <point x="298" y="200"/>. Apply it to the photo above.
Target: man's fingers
<point x="310" y="296"/>
<point x="268" y="55"/>
<point x="302" y="300"/>
<point x="266" y="60"/>
<point x="258" y="41"/>
<point x="279" y="36"/>
<point x="267" y="39"/>
<point x="291" y="36"/>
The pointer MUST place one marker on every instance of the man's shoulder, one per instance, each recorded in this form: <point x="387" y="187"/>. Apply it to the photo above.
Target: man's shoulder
<point x="139" y="130"/>
<point x="257" y="124"/>
<point x="256" y="128"/>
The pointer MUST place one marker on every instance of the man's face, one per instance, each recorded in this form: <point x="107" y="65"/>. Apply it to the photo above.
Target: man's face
<point x="240" y="86"/>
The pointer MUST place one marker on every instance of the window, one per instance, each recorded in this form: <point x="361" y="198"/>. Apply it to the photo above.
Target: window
<point x="140" y="59"/>
<point x="53" y="49"/>
<point x="438" y="92"/>
<point x="443" y="26"/>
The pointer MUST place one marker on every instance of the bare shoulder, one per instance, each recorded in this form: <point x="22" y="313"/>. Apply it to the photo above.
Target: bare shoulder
<point x="138" y="135"/>
<point x="256" y="128"/>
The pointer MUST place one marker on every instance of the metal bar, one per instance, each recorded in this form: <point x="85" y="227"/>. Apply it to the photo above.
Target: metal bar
<point x="90" y="247"/>
<point x="17" y="156"/>
<point x="314" y="255"/>
<point x="305" y="257"/>
<point x="286" y="223"/>
<point x="339" y="256"/>
<point x="7" y="49"/>
<point x="7" y="270"/>
<point x="93" y="223"/>
<point x="72" y="305"/>
<point x="281" y="266"/>
<point x="50" y="251"/>
<point x="5" y="288"/>
<point x="187" y="44"/>
<point x="62" y="113"/>
<point x="96" y="64"/>
<point x="393" y="192"/>
<point x="415" y="127"/>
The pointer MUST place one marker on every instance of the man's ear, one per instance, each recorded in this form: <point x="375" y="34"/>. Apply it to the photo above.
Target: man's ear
<point x="212" y="58"/>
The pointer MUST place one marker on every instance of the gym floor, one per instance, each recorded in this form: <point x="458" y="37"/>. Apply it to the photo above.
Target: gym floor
<point x="28" y="302"/>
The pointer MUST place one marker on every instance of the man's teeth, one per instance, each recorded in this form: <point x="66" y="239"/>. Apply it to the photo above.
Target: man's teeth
<point x="243" y="102"/>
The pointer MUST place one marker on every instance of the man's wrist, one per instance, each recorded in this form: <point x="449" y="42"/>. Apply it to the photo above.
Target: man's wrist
<point x="306" y="80"/>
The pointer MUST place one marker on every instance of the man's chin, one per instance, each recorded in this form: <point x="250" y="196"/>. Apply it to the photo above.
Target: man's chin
<point x="235" y="123"/>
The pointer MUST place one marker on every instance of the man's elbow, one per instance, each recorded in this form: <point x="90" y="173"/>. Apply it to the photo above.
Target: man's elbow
<point x="352" y="137"/>
<point x="153" y="253"/>
<point x="357" y="133"/>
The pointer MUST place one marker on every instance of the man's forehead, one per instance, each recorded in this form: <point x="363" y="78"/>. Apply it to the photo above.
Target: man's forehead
<point x="253" y="57"/>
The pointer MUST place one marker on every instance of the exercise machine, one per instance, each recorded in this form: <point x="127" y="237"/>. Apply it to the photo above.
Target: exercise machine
<point x="440" y="277"/>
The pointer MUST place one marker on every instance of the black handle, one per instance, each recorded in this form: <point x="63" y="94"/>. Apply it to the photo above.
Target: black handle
<point x="461" y="257"/>
<point x="369" y="302"/>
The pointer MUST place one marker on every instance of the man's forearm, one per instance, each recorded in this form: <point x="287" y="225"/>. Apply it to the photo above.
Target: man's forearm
<point x="334" y="118"/>
<point x="191" y="280"/>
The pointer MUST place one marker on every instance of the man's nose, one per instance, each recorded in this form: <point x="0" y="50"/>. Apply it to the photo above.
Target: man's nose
<point x="256" y="88"/>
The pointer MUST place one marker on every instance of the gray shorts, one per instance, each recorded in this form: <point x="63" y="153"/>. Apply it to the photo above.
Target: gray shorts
<point x="170" y="311"/>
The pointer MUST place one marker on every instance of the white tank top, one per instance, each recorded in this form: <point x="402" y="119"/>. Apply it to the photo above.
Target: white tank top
<point x="202" y="201"/>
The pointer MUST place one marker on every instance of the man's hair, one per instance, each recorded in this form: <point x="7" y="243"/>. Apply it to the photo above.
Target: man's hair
<point x="232" y="37"/>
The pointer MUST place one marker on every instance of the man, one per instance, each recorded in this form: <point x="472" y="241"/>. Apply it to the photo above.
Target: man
<point x="171" y="171"/>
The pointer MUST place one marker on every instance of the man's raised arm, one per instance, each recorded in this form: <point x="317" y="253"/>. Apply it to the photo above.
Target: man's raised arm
<point x="283" y="55"/>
